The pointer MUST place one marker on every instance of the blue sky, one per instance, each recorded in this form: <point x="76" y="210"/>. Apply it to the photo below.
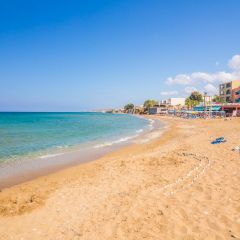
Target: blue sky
<point x="83" y="55"/>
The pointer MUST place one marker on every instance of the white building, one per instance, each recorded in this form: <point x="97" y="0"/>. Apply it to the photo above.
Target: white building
<point x="174" y="101"/>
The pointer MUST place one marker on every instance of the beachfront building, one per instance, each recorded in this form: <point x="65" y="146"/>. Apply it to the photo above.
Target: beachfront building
<point x="174" y="102"/>
<point x="227" y="90"/>
<point x="231" y="109"/>
<point x="169" y="104"/>
<point x="154" y="110"/>
<point x="161" y="110"/>
<point x="236" y="95"/>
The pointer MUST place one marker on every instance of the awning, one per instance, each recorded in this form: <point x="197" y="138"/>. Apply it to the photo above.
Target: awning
<point x="208" y="108"/>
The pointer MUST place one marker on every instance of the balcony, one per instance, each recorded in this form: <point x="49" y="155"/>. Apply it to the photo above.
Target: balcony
<point x="228" y="92"/>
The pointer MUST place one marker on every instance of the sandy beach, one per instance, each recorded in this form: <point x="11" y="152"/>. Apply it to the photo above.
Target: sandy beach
<point x="176" y="186"/>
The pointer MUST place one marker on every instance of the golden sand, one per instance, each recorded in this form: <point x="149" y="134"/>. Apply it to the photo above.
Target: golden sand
<point x="178" y="186"/>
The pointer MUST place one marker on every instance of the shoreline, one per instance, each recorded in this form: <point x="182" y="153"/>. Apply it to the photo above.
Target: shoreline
<point x="14" y="173"/>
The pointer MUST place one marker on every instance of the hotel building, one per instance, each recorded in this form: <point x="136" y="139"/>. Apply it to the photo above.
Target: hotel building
<point x="227" y="91"/>
<point x="236" y="95"/>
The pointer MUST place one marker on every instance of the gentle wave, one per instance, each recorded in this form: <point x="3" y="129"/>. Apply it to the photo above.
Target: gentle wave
<point x="50" y="155"/>
<point x="124" y="139"/>
<point x="151" y="123"/>
<point x="106" y="144"/>
<point x="63" y="146"/>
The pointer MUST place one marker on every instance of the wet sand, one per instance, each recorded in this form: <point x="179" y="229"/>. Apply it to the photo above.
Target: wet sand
<point x="176" y="186"/>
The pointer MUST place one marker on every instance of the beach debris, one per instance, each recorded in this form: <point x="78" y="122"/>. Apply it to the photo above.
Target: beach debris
<point x="218" y="140"/>
<point x="236" y="149"/>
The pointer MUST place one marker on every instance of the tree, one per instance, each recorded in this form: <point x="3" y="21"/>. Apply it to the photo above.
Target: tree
<point x="149" y="103"/>
<point x="218" y="99"/>
<point x="129" y="106"/>
<point x="196" y="96"/>
<point x="194" y="99"/>
<point x="191" y="103"/>
<point x="188" y="102"/>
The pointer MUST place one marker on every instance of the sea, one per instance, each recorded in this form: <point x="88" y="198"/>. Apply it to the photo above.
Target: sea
<point x="41" y="135"/>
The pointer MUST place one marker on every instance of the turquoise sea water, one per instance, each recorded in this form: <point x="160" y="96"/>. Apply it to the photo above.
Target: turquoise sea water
<point x="36" y="134"/>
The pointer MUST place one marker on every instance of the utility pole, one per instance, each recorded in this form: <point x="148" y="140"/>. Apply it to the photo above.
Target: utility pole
<point x="210" y="102"/>
<point x="204" y="103"/>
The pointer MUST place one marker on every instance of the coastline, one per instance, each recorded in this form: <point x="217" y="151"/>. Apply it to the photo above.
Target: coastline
<point x="18" y="172"/>
<point x="175" y="186"/>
